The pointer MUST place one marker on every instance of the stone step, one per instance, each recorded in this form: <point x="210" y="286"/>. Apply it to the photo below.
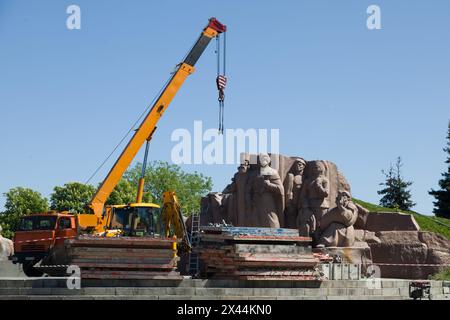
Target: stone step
<point x="184" y="297"/>
<point x="217" y="289"/>
<point x="208" y="292"/>
<point x="200" y="283"/>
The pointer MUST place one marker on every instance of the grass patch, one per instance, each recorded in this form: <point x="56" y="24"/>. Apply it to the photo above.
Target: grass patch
<point x="443" y="275"/>
<point x="426" y="223"/>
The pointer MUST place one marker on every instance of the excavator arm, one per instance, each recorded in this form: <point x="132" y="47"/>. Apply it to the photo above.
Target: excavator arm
<point x="172" y="218"/>
<point x="148" y="125"/>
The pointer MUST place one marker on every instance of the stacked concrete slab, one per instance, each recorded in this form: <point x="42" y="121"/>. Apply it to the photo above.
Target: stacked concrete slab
<point x="124" y="257"/>
<point x="256" y="254"/>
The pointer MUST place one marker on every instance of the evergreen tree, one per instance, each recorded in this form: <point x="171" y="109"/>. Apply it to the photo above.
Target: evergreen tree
<point x="396" y="194"/>
<point x="442" y="203"/>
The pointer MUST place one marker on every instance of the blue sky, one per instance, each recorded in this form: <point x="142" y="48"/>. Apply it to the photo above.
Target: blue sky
<point x="336" y="90"/>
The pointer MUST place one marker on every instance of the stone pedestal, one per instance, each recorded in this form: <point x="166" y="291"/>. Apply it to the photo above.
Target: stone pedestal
<point x="359" y="254"/>
<point x="351" y="263"/>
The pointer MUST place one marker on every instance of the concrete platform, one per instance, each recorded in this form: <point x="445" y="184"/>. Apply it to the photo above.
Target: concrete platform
<point x="193" y="289"/>
<point x="8" y="269"/>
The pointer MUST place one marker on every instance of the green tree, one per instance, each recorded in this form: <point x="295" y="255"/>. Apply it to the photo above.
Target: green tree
<point x="20" y="202"/>
<point x="124" y="193"/>
<point x="396" y="194"/>
<point x="442" y="203"/>
<point x="73" y="197"/>
<point x="161" y="176"/>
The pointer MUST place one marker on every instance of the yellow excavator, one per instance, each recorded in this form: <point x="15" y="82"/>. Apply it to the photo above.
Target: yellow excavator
<point x="137" y="219"/>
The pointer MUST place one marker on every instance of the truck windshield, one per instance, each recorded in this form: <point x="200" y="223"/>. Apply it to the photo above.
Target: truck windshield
<point x="37" y="223"/>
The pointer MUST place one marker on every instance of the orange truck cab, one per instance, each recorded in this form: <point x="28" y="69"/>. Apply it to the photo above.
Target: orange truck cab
<point x="39" y="236"/>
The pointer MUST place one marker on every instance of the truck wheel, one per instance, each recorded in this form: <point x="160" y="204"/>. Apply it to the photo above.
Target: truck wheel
<point x="30" y="271"/>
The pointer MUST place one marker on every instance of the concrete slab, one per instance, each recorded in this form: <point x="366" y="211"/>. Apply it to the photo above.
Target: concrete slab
<point x="8" y="269"/>
<point x="356" y="291"/>
<point x="337" y="291"/>
<point x="42" y="288"/>
<point x="391" y="292"/>
<point x="209" y="291"/>
<point x="234" y="298"/>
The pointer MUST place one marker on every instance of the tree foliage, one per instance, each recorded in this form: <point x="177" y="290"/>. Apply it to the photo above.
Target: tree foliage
<point x="395" y="192"/>
<point x="125" y="192"/>
<point x="72" y="196"/>
<point x="442" y="196"/>
<point x="161" y="176"/>
<point x="20" y="202"/>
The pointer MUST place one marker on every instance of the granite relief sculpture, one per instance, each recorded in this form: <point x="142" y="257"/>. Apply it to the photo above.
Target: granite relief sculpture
<point x="315" y="198"/>
<point x="315" y="204"/>
<point x="292" y="188"/>
<point x="237" y="189"/>
<point x="336" y="226"/>
<point x="268" y="196"/>
<point x="290" y="193"/>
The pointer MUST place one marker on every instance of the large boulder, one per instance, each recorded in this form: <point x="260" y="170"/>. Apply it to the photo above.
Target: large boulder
<point x="434" y="240"/>
<point x="399" y="247"/>
<point x="366" y="236"/>
<point x="390" y="221"/>
<point x="410" y="254"/>
<point x="438" y="248"/>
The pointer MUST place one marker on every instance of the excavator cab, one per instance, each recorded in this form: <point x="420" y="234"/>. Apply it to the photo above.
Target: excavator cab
<point x="136" y="220"/>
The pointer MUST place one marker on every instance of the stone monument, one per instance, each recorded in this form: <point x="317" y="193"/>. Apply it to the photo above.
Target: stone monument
<point x="292" y="188"/>
<point x="289" y="193"/>
<point x="315" y="198"/>
<point x="336" y="226"/>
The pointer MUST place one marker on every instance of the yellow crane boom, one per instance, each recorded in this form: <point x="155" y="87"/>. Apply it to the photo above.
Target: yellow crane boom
<point x="148" y="125"/>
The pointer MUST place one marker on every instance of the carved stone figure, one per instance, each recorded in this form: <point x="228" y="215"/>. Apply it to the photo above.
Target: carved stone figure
<point x="238" y="203"/>
<point x="237" y="188"/>
<point x="336" y="226"/>
<point x="212" y="208"/>
<point x="6" y="247"/>
<point x="268" y="195"/>
<point x="327" y="212"/>
<point x="251" y="218"/>
<point x="314" y="197"/>
<point x="292" y="188"/>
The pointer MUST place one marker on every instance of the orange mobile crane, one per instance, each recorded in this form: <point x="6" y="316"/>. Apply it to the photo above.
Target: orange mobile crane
<point x="40" y="237"/>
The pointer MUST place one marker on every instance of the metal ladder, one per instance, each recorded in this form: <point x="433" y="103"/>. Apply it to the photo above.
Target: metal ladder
<point x="193" y="256"/>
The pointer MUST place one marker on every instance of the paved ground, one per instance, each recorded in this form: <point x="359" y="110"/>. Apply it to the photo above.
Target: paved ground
<point x="8" y="269"/>
<point x="190" y="289"/>
<point x="15" y="285"/>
